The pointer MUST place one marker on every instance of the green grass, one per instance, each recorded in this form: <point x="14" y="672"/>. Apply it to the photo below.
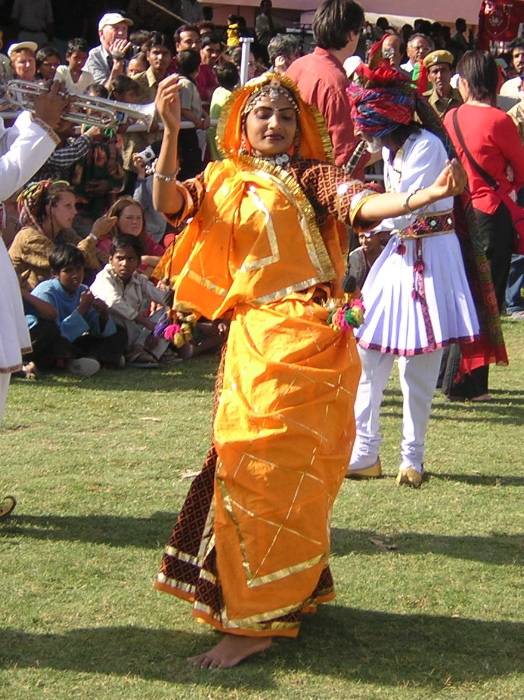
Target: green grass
<point x="433" y="608"/>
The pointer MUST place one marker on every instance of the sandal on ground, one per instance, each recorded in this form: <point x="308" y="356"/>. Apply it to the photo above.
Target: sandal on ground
<point x="142" y="360"/>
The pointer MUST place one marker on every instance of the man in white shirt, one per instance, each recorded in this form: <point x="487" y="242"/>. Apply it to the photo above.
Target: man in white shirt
<point x="418" y="47"/>
<point x="513" y="87"/>
<point x="108" y="60"/>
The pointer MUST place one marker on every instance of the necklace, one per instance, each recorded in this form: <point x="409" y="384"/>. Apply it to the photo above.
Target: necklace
<point x="281" y="160"/>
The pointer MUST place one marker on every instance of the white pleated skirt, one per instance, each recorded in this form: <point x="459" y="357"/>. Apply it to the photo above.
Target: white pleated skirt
<point x="410" y="312"/>
<point x="14" y="334"/>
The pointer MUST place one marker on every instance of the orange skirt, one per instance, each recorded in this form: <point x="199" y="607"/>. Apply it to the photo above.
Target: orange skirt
<point x="283" y="434"/>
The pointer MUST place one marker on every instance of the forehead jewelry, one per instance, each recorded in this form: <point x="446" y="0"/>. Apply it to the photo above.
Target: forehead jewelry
<point x="274" y="89"/>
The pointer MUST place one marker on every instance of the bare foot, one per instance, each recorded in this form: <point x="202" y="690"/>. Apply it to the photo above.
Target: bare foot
<point x="230" y="651"/>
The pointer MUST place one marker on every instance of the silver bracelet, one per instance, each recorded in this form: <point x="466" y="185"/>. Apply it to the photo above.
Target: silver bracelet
<point x="93" y="237"/>
<point x="165" y="178"/>
<point x="405" y="205"/>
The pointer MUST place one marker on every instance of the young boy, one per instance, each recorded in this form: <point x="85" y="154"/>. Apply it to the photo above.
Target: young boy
<point x="82" y="333"/>
<point x="127" y="294"/>
<point x="75" y="77"/>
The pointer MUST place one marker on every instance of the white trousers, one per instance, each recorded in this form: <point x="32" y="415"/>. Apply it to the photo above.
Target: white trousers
<point x="418" y="379"/>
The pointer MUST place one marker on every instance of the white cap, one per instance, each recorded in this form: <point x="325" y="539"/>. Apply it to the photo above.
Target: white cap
<point x="29" y="45"/>
<point x="113" y="18"/>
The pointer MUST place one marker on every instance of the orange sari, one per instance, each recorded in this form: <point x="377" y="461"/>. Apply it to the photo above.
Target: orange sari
<point x="256" y="554"/>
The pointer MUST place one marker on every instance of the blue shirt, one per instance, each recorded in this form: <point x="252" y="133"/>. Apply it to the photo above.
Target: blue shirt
<point x="71" y="322"/>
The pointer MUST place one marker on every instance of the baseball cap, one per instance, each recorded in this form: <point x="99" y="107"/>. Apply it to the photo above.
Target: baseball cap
<point x="29" y="45"/>
<point x="113" y="18"/>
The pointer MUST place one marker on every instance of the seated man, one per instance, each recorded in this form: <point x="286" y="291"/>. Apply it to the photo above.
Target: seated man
<point x="126" y="292"/>
<point x="109" y="59"/>
<point x="82" y="334"/>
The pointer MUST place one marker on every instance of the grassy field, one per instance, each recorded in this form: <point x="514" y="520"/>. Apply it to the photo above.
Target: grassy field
<point x="430" y="586"/>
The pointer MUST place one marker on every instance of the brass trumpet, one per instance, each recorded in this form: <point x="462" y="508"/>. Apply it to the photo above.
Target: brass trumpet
<point x="93" y="111"/>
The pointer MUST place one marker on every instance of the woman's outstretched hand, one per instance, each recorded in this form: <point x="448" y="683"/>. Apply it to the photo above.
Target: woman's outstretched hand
<point x="167" y="102"/>
<point x="451" y="180"/>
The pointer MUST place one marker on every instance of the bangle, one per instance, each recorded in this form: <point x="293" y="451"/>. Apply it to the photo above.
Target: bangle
<point x="405" y="205"/>
<point x="93" y="237"/>
<point x="118" y="56"/>
<point x="165" y="178"/>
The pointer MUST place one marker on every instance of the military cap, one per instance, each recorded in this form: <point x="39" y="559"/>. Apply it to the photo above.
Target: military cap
<point x="440" y="56"/>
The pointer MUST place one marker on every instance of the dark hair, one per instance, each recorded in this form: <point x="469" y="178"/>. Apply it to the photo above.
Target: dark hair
<point x="402" y="132"/>
<point x="139" y="37"/>
<point x="66" y="255"/>
<point x="517" y="43"/>
<point x="97" y="90"/>
<point x="44" y="53"/>
<point x="208" y="26"/>
<point x="460" y="22"/>
<point x="423" y="26"/>
<point x="188" y="62"/>
<point x="158" y="39"/>
<point x="208" y="39"/>
<point x="333" y="21"/>
<point x="282" y="45"/>
<point x="77" y="44"/>
<point x="126" y="240"/>
<point x="480" y="70"/>
<point x="227" y="75"/>
<point x="122" y="84"/>
<point x="185" y="28"/>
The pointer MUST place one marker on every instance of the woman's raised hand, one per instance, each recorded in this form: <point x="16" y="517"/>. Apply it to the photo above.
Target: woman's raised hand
<point x="167" y="102"/>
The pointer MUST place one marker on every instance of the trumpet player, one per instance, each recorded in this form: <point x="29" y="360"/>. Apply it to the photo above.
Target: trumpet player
<point x="24" y="148"/>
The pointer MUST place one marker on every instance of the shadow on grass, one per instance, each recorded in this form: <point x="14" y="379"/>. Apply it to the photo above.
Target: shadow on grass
<point x="480" y="479"/>
<point x="112" y="530"/>
<point x="501" y="549"/>
<point x="363" y="646"/>
<point x="197" y="374"/>
<point x="153" y="533"/>
<point x="500" y="411"/>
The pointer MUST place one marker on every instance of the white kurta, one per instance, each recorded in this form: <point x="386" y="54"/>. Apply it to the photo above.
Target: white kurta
<point x="25" y="147"/>
<point x="395" y="322"/>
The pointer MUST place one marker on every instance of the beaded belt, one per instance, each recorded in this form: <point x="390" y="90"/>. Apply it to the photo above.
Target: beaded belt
<point x="431" y="225"/>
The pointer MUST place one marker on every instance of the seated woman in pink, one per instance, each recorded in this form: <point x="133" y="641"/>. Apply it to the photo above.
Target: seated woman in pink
<point x="131" y="219"/>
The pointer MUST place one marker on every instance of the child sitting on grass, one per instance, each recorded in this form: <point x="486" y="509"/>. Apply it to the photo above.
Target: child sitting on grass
<point x="127" y="293"/>
<point x="82" y="334"/>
